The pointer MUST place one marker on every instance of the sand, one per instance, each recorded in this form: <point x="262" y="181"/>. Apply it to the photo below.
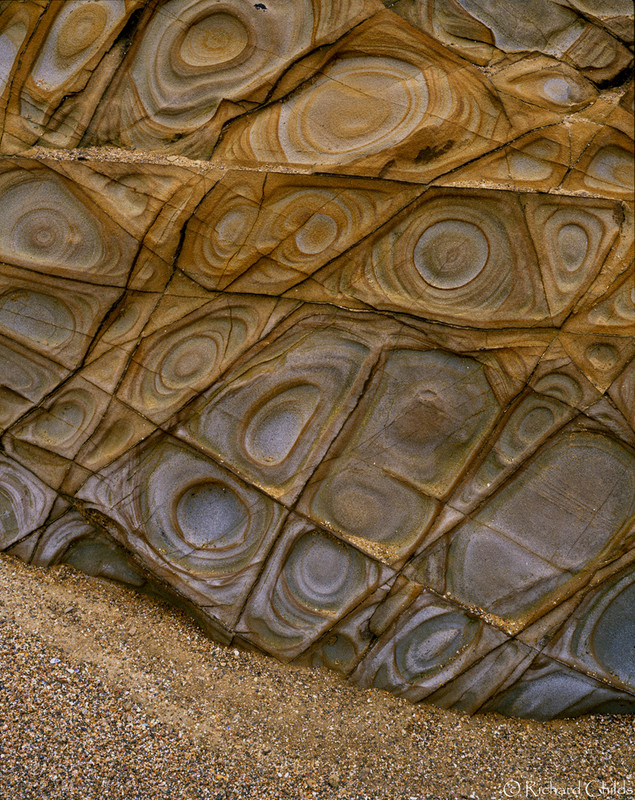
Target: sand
<point x="108" y="694"/>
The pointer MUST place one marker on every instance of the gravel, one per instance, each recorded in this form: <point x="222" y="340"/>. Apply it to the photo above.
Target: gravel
<point x="107" y="694"/>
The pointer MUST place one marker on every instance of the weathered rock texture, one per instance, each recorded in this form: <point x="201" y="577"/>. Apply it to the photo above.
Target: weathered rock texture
<point x="317" y="317"/>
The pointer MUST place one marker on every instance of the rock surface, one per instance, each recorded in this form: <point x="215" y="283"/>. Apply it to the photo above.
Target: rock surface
<point x="318" y="319"/>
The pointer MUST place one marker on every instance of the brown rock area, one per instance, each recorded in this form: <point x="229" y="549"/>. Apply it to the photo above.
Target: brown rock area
<point x="317" y="319"/>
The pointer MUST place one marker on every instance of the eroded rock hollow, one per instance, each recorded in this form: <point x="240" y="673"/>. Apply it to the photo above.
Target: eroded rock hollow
<point x="317" y="317"/>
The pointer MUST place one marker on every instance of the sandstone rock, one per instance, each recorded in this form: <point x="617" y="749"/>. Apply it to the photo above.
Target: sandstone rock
<point x="319" y="320"/>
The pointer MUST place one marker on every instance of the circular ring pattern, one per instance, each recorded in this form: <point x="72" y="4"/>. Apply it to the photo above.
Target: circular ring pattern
<point x="209" y="514"/>
<point x="451" y="253"/>
<point x="360" y="106"/>
<point x="214" y="40"/>
<point x="433" y="644"/>
<point x="321" y="573"/>
<point x="81" y="28"/>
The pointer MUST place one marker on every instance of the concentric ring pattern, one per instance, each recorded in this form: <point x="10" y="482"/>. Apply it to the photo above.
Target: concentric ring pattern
<point x="317" y="318"/>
